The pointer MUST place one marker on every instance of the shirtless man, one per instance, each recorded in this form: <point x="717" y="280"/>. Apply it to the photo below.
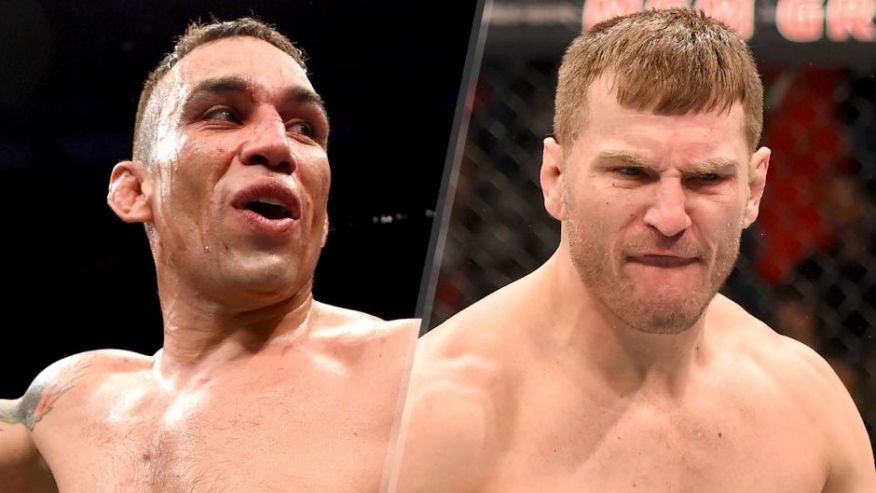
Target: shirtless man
<point x="615" y="367"/>
<point x="258" y="387"/>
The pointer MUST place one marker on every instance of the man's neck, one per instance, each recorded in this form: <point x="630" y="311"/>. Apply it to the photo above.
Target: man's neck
<point x="201" y="337"/>
<point x="626" y="359"/>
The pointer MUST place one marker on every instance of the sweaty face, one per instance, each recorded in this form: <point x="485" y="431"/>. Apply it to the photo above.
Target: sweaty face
<point x="654" y="206"/>
<point x="240" y="172"/>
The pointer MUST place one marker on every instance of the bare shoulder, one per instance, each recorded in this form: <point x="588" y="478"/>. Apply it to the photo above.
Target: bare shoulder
<point x="459" y="369"/>
<point x="805" y="379"/>
<point x="359" y="333"/>
<point x="791" y="365"/>
<point x="461" y="388"/>
<point x="479" y="348"/>
<point x="58" y="390"/>
<point x="487" y="327"/>
<point x="794" y="368"/>
<point x="76" y="373"/>
<point x="471" y="353"/>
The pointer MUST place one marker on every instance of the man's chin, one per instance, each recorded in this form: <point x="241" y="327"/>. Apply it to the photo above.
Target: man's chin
<point x="266" y="282"/>
<point x="665" y="323"/>
<point x="663" y="314"/>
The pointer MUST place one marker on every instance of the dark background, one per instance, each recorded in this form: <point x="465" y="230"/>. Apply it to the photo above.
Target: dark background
<point x="76" y="278"/>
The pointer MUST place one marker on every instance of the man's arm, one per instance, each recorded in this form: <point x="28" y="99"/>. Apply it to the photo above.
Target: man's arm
<point x="827" y="407"/>
<point x="453" y="434"/>
<point x="446" y="445"/>
<point x="851" y="457"/>
<point x="22" y="468"/>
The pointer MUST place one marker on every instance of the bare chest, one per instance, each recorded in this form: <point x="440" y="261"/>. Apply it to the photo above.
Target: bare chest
<point x="259" y="435"/>
<point x="725" y="447"/>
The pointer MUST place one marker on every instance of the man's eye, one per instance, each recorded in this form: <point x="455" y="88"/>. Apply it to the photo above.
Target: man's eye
<point x="631" y="172"/>
<point x="300" y="128"/>
<point x="706" y="178"/>
<point x="221" y="113"/>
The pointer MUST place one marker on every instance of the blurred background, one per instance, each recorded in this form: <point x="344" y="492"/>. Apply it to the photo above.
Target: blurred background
<point x="77" y="278"/>
<point x="807" y="267"/>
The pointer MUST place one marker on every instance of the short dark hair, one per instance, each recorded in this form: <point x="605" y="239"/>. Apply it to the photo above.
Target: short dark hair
<point x="198" y="34"/>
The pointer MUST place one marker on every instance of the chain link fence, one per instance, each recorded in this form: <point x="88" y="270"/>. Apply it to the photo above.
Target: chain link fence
<point x="808" y="266"/>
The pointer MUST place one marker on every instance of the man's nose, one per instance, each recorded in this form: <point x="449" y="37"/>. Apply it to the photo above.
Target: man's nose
<point x="667" y="213"/>
<point x="268" y="145"/>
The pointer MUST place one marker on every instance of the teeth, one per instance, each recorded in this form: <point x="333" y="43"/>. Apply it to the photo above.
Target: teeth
<point x="272" y="202"/>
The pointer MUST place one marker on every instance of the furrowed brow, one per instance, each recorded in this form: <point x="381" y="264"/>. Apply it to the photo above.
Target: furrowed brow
<point x="720" y="166"/>
<point x="625" y="157"/>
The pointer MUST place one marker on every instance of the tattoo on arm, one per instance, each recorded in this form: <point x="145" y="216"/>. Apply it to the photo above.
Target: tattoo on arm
<point x="42" y="395"/>
<point x="10" y="412"/>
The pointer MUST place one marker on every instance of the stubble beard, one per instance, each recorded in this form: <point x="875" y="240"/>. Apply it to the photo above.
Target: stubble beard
<point x="647" y="309"/>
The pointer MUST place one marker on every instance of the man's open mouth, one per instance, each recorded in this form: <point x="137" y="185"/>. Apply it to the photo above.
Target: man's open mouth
<point x="269" y="208"/>
<point x="270" y="200"/>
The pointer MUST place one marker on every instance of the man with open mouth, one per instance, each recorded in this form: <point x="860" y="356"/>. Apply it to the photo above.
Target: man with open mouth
<point x="257" y="387"/>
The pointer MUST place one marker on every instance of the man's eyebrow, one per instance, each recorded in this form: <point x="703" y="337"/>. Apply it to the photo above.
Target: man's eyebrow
<point x="239" y="85"/>
<point x="714" y="165"/>
<point x="303" y="96"/>
<point x="627" y="157"/>
<point x="718" y="165"/>
<point x="216" y="86"/>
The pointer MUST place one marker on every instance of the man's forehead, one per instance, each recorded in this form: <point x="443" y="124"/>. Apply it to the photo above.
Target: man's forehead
<point x="605" y="89"/>
<point x="602" y="104"/>
<point x="243" y="57"/>
<point x="708" y="136"/>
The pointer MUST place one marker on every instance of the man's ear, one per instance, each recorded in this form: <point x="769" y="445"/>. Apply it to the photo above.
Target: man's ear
<point x="551" y="178"/>
<point x="325" y="230"/>
<point x="130" y="192"/>
<point x="760" y="163"/>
